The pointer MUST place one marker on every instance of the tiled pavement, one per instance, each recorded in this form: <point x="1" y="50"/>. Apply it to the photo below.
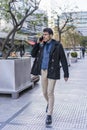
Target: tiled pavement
<point x="70" y="110"/>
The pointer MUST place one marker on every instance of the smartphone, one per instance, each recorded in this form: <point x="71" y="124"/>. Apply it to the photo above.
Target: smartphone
<point x="41" y="39"/>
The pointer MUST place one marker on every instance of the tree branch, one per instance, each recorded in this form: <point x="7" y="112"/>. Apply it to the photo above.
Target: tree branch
<point x="22" y="21"/>
<point x="12" y="15"/>
<point x="58" y="22"/>
<point x="7" y="38"/>
<point x="69" y="27"/>
<point x="64" y="25"/>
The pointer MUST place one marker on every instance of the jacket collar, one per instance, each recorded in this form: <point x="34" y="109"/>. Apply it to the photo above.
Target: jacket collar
<point x="55" y="43"/>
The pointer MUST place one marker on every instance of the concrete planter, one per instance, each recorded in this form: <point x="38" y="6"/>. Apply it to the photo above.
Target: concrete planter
<point x="73" y="59"/>
<point x="15" y="75"/>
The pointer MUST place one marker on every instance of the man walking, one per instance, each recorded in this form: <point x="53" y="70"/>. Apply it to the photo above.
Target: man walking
<point x="83" y="51"/>
<point x="47" y="64"/>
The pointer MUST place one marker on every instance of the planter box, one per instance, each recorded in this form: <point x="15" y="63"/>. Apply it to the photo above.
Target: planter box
<point x="15" y="75"/>
<point x="73" y="59"/>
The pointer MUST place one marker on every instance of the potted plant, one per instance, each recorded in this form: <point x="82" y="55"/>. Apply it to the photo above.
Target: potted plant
<point x="74" y="57"/>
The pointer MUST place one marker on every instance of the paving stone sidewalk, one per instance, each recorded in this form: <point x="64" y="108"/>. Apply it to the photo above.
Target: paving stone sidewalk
<point x="70" y="110"/>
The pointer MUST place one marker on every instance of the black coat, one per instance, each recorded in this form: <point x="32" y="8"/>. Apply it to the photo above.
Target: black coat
<point x="56" y="57"/>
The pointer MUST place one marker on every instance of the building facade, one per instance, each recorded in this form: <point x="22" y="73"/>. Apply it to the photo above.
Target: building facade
<point x="81" y="22"/>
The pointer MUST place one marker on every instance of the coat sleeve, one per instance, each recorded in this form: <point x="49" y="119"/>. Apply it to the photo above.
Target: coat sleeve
<point x="63" y="61"/>
<point x="35" y="50"/>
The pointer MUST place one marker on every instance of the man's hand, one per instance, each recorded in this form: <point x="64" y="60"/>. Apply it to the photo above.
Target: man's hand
<point x="65" y="79"/>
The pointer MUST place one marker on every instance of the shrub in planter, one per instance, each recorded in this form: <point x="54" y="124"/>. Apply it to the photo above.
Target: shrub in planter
<point x="74" y="57"/>
<point x="74" y="54"/>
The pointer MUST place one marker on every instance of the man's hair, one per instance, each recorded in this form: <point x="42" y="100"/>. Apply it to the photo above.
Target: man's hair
<point x="49" y="30"/>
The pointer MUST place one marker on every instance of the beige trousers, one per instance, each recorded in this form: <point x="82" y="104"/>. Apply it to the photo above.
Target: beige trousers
<point x="48" y="86"/>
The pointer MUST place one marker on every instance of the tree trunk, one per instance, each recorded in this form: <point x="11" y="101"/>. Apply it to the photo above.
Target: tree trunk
<point x="59" y="35"/>
<point x="6" y="44"/>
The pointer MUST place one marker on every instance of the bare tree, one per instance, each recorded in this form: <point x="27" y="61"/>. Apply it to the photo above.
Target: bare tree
<point x="64" y="21"/>
<point x="15" y="11"/>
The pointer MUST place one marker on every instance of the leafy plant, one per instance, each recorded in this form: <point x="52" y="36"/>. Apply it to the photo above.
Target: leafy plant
<point x="74" y="54"/>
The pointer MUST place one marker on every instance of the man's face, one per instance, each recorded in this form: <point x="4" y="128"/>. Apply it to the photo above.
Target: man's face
<point x="46" y="36"/>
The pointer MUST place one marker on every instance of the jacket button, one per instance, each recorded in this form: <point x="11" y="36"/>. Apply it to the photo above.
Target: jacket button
<point x="51" y="67"/>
